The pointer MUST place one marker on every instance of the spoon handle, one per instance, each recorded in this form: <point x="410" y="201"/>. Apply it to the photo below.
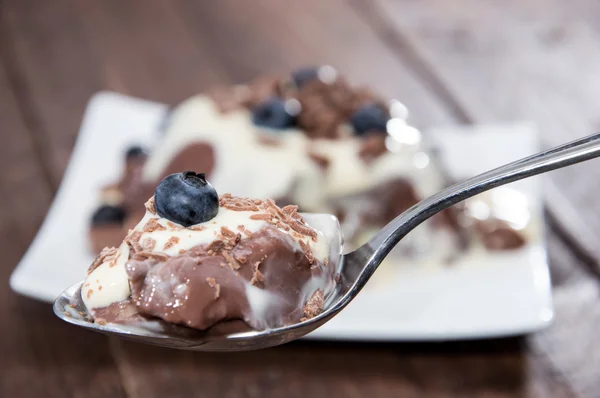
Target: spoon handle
<point x="565" y="155"/>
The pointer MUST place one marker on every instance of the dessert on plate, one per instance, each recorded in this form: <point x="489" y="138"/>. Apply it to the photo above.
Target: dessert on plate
<point x="318" y="142"/>
<point x="199" y="260"/>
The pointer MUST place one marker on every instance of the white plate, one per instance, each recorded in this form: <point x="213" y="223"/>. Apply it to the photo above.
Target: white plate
<point x="501" y="294"/>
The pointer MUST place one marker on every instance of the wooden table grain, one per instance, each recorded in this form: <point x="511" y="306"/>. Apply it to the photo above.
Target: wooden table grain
<point x="466" y="61"/>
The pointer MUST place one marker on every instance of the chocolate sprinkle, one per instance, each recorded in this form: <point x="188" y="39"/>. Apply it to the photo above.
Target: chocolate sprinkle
<point x="158" y="256"/>
<point x="105" y="255"/>
<point x="314" y="305"/>
<point x="150" y="205"/>
<point x="258" y="279"/>
<point x="133" y="240"/>
<point x="245" y="231"/>
<point x="173" y="240"/>
<point x="307" y="252"/>
<point x="148" y="244"/>
<point x="237" y="204"/>
<point x="153" y="225"/>
<point x="233" y="264"/>
<point x="261" y="216"/>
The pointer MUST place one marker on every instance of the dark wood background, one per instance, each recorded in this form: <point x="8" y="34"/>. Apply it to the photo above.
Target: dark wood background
<point x="451" y="62"/>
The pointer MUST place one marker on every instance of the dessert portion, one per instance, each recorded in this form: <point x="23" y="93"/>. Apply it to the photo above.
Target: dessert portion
<point x="202" y="261"/>
<point x="317" y="142"/>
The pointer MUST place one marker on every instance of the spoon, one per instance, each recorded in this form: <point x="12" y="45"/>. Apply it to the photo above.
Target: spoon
<point x="356" y="267"/>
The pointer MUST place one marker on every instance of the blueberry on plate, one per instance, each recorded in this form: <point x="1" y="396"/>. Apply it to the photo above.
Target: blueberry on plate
<point x="186" y="199"/>
<point x="369" y="117"/>
<point x="303" y="76"/>
<point x="273" y="113"/>
<point x="135" y="152"/>
<point x="107" y="214"/>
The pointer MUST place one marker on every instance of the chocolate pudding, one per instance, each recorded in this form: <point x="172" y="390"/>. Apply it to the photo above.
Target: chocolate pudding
<point x="245" y="260"/>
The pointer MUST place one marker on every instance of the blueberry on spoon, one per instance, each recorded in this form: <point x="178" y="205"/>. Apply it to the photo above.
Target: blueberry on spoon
<point x="186" y="198"/>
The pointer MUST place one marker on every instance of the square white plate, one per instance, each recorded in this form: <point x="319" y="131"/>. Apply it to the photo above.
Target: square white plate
<point x="508" y="293"/>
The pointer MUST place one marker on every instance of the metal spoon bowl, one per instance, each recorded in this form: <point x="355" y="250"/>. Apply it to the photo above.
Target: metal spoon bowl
<point x="69" y="307"/>
<point x="356" y="268"/>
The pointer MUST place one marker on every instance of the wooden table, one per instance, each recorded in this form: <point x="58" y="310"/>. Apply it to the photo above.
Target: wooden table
<point x="450" y="62"/>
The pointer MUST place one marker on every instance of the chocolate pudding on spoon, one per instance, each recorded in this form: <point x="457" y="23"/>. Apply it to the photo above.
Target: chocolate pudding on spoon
<point x="200" y="260"/>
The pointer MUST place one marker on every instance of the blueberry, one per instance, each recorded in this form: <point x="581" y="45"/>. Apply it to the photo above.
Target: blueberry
<point x="273" y="113"/>
<point x="135" y="152"/>
<point x="369" y="117"/>
<point x="107" y="214"/>
<point x="186" y="198"/>
<point x="303" y="76"/>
